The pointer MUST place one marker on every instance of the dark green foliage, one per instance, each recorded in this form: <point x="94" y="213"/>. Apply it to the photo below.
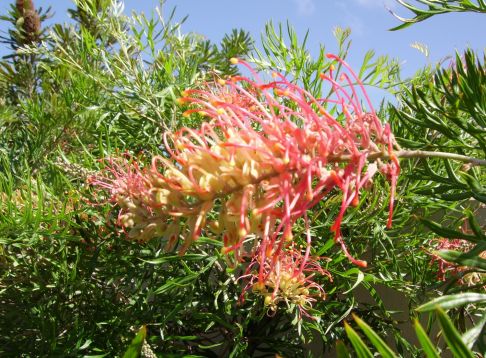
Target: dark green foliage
<point x="447" y="114"/>
<point x="455" y="343"/>
<point x="71" y="285"/>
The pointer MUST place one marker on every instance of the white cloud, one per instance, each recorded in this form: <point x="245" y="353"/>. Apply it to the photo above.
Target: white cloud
<point x="390" y="4"/>
<point x="356" y="24"/>
<point x="349" y="19"/>
<point x="305" y="7"/>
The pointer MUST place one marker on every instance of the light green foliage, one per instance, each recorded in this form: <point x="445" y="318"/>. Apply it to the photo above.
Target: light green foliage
<point x="282" y="51"/>
<point x="436" y="7"/>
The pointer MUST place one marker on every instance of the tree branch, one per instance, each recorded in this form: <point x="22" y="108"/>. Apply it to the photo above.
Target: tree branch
<point x="415" y="154"/>
<point x="444" y="155"/>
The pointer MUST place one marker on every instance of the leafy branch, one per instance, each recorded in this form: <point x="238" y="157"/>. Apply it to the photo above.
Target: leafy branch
<point x="435" y="7"/>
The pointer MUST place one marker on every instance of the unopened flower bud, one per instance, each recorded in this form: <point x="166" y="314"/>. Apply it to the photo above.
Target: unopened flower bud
<point x="259" y="287"/>
<point x="242" y="232"/>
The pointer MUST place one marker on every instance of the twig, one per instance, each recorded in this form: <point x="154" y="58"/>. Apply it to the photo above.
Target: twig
<point x="444" y="155"/>
<point x="416" y="154"/>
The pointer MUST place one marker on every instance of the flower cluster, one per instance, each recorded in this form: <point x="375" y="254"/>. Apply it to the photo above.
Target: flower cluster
<point x="447" y="269"/>
<point x="268" y="152"/>
<point x="288" y="279"/>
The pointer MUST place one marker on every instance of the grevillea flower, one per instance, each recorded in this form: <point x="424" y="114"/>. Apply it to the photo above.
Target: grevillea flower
<point x="447" y="269"/>
<point x="288" y="279"/>
<point x="267" y="153"/>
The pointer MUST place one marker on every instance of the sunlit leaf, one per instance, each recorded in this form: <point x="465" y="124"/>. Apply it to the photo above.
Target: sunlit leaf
<point x="427" y="346"/>
<point x="452" y="301"/>
<point x="452" y="337"/>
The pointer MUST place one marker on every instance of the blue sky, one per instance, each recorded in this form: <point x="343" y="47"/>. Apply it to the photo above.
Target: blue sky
<point x="368" y="19"/>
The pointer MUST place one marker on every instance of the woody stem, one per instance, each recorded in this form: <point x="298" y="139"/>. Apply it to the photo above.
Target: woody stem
<point x="418" y="154"/>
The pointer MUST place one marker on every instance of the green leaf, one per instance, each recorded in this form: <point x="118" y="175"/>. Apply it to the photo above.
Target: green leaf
<point x="182" y="338"/>
<point x="452" y="337"/>
<point x="427" y="346"/>
<point x="359" y="278"/>
<point x="211" y="346"/>
<point x="177" y="283"/>
<point x="471" y="335"/>
<point x="186" y="280"/>
<point x="436" y="7"/>
<point x="462" y="258"/>
<point x="452" y="301"/>
<point x="446" y="232"/>
<point x="341" y="350"/>
<point x="362" y="351"/>
<point x="186" y="257"/>
<point x="475" y="227"/>
<point x="344" y="315"/>
<point x="135" y="347"/>
<point x="377" y="342"/>
<point x="85" y="344"/>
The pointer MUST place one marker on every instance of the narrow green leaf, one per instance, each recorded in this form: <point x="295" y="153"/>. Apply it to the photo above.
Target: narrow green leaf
<point x="176" y="283"/>
<point x="211" y="346"/>
<point x="446" y="232"/>
<point x="473" y="182"/>
<point x="341" y="350"/>
<point x="182" y="338"/>
<point x="135" y="347"/>
<point x="344" y="315"/>
<point x="452" y="337"/>
<point x="184" y="280"/>
<point x="450" y="172"/>
<point x="462" y="258"/>
<point x="470" y="336"/>
<point x="452" y="301"/>
<point x="457" y="196"/>
<point x="186" y="257"/>
<point x="475" y="227"/>
<point x="378" y="343"/>
<point x="427" y="345"/>
<point x="362" y="351"/>
<point x="406" y="23"/>
<point x="359" y="278"/>
<point x="85" y="344"/>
